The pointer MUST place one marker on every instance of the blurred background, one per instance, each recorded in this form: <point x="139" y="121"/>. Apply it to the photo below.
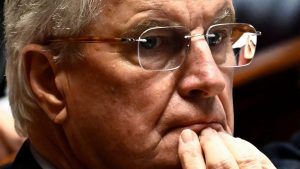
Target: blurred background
<point x="2" y="60"/>
<point x="267" y="93"/>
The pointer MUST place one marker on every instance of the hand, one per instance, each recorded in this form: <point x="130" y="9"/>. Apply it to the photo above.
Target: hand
<point x="219" y="150"/>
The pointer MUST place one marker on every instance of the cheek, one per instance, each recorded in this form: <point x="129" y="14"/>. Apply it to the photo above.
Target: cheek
<point x="229" y="109"/>
<point x="226" y="98"/>
<point x="115" y="103"/>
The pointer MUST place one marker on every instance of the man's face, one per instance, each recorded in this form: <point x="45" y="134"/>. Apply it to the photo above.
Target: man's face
<point x="122" y="116"/>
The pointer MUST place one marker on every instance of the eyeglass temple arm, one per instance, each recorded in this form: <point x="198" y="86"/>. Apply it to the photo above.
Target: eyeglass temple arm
<point x="257" y="33"/>
<point x="95" y="40"/>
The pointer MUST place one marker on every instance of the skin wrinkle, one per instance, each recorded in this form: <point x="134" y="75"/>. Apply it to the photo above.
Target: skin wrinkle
<point x="225" y="14"/>
<point x="158" y="78"/>
<point x="198" y="108"/>
<point x="157" y="12"/>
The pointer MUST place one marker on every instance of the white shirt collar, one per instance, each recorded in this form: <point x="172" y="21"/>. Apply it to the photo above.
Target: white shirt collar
<point x="40" y="160"/>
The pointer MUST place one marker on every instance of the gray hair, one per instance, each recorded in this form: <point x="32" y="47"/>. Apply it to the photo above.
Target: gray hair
<point x="32" y="21"/>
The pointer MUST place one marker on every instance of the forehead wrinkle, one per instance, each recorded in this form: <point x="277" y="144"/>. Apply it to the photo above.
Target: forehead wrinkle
<point x="182" y="14"/>
<point x="204" y="12"/>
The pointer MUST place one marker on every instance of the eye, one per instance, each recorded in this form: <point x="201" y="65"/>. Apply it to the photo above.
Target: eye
<point x="150" y="42"/>
<point x="217" y="39"/>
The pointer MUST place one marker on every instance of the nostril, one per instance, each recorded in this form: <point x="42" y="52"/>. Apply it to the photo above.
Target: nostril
<point x="197" y="93"/>
<point x="193" y="93"/>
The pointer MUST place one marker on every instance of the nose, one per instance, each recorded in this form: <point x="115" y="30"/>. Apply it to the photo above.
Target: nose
<point x="200" y="74"/>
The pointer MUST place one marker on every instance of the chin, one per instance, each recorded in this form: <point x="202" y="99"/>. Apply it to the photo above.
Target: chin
<point x="164" y="164"/>
<point x="166" y="155"/>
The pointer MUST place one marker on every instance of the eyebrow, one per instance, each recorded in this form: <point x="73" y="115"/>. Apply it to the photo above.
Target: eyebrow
<point x="144" y="25"/>
<point x="226" y="15"/>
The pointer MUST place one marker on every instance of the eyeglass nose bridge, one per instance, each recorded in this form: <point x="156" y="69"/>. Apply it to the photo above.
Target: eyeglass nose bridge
<point x="201" y="36"/>
<point x="205" y="36"/>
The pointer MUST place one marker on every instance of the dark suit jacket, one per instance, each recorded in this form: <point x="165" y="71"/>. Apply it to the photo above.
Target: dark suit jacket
<point x="24" y="159"/>
<point x="285" y="155"/>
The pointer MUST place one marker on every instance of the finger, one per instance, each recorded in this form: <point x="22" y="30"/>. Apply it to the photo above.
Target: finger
<point x="189" y="151"/>
<point x="215" y="151"/>
<point x="246" y="154"/>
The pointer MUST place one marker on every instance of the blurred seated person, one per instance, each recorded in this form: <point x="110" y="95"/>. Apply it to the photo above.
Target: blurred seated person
<point x="284" y="155"/>
<point x="125" y="84"/>
<point x="10" y="141"/>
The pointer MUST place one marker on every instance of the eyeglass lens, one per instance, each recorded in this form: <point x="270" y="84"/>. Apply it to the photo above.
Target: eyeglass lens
<point x="165" y="48"/>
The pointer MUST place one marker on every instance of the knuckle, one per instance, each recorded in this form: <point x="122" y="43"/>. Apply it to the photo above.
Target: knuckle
<point x="266" y="165"/>
<point x="249" y="162"/>
<point x="223" y="164"/>
<point x="190" y="154"/>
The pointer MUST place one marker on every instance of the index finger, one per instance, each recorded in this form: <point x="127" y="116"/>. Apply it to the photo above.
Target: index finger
<point x="216" y="153"/>
<point x="189" y="151"/>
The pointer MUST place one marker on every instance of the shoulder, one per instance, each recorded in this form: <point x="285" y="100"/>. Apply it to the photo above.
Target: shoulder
<point x="24" y="159"/>
<point x="285" y="155"/>
<point x="8" y="166"/>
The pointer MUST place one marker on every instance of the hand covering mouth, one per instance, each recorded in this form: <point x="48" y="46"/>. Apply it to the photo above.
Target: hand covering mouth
<point x="216" y="121"/>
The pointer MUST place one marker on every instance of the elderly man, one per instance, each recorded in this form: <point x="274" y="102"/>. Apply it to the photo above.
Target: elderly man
<point x="126" y="84"/>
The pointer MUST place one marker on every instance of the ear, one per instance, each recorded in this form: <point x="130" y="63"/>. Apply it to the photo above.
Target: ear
<point x="43" y="76"/>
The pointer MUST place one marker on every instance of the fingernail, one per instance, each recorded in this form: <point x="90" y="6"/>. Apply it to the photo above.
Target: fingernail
<point x="208" y="131"/>
<point x="188" y="135"/>
<point x="224" y="134"/>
